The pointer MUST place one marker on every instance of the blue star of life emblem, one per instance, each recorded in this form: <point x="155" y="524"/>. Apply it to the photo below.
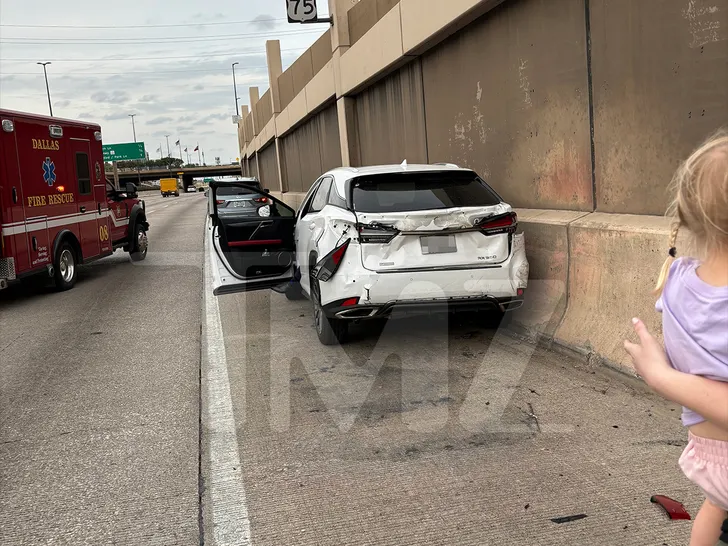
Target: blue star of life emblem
<point x="49" y="171"/>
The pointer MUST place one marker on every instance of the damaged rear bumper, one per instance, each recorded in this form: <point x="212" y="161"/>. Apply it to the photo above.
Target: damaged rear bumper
<point x="423" y="307"/>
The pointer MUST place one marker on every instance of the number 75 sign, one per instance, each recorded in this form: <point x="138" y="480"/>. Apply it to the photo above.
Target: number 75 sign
<point x="302" y="11"/>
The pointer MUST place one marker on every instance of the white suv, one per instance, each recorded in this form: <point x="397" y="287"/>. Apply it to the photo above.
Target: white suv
<point x="366" y="241"/>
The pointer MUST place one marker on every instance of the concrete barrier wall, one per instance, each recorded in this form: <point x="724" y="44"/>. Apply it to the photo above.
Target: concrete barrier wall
<point x="254" y="172"/>
<point x="268" y="164"/>
<point x="660" y="87"/>
<point x="310" y="150"/>
<point x="391" y="119"/>
<point x="590" y="274"/>
<point x="365" y="14"/>
<point x="508" y="96"/>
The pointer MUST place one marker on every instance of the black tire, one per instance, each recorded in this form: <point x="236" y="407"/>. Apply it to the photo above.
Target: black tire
<point x="294" y="292"/>
<point x="176" y="194"/>
<point x="139" y="244"/>
<point x="65" y="265"/>
<point x="330" y="331"/>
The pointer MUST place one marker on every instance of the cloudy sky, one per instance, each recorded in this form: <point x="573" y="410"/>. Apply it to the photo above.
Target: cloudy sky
<point x="167" y="61"/>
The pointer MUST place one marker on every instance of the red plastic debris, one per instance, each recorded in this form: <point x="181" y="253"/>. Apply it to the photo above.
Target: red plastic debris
<point x="673" y="508"/>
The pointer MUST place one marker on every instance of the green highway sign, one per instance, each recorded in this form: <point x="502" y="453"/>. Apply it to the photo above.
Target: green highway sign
<point x="124" y="152"/>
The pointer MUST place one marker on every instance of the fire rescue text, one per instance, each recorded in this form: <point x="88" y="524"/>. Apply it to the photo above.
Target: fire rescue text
<point x="53" y="199"/>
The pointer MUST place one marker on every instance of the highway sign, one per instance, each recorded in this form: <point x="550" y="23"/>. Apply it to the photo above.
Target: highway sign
<point x="302" y="11"/>
<point x="124" y="152"/>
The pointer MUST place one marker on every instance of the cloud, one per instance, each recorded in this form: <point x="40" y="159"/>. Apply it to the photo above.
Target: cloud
<point x="198" y="87"/>
<point x="148" y="98"/>
<point x="115" y="97"/>
<point x="264" y="22"/>
<point x="207" y="120"/>
<point x="62" y="103"/>
<point x="160" y="120"/>
<point x="85" y="116"/>
<point x="115" y="116"/>
<point x="186" y="119"/>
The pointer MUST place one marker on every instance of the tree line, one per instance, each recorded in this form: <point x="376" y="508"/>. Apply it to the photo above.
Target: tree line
<point x="163" y="163"/>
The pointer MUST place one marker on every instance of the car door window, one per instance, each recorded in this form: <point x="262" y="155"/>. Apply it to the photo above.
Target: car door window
<point x="322" y="195"/>
<point x="306" y="203"/>
<point x="335" y="199"/>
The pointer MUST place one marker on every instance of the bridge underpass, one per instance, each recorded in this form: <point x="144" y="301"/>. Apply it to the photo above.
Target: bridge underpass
<point x="188" y="174"/>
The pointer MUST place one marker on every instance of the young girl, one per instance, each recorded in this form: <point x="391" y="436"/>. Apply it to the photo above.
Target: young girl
<point x="694" y="307"/>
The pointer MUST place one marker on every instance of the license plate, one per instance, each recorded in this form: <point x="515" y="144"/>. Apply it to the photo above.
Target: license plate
<point x="438" y="244"/>
<point x="239" y="204"/>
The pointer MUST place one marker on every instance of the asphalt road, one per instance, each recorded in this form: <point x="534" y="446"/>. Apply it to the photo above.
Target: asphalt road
<point x="136" y="409"/>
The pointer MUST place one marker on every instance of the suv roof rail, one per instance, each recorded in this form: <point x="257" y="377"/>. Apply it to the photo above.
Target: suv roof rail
<point x="447" y="165"/>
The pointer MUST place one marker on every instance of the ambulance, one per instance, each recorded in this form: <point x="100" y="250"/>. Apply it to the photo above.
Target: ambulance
<point x="57" y="209"/>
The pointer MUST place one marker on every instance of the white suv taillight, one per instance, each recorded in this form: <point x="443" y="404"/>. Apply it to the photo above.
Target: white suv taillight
<point x="376" y="235"/>
<point x="503" y="223"/>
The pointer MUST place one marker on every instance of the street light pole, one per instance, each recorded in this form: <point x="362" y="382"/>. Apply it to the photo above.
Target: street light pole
<point x="235" y="89"/>
<point x="133" y="127"/>
<point x="169" y="154"/>
<point x="48" y="89"/>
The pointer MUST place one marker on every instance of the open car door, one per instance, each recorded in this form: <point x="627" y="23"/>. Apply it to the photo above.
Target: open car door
<point x="250" y="247"/>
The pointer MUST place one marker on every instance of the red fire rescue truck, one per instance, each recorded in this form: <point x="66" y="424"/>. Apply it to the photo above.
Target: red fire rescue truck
<point x="57" y="210"/>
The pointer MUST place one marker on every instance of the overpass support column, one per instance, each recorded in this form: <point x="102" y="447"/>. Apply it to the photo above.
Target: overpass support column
<point x="254" y="98"/>
<point x="243" y="138"/>
<point x="345" y="106"/>
<point x="275" y="69"/>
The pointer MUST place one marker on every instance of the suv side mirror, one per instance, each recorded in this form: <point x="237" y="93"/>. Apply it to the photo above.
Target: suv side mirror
<point x="131" y="188"/>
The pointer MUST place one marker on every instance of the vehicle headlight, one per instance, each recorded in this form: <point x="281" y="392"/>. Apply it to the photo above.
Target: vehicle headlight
<point x="264" y="212"/>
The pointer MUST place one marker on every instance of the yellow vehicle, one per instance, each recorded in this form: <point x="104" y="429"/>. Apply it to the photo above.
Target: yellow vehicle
<point x="168" y="186"/>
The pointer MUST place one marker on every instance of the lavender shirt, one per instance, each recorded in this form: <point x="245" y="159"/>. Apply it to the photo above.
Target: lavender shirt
<point x="695" y="326"/>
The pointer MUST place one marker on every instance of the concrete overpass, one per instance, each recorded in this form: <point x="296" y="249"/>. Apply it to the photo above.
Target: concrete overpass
<point x="187" y="173"/>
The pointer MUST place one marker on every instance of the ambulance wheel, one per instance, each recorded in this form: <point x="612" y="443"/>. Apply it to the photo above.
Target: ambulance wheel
<point x="66" y="270"/>
<point x="141" y="244"/>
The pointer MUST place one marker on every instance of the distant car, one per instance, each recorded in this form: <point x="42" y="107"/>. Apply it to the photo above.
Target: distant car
<point x="422" y="238"/>
<point x="241" y="201"/>
<point x="191" y="189"/>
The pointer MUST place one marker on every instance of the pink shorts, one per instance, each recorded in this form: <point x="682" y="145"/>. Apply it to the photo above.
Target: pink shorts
<point x="705" y="463"/>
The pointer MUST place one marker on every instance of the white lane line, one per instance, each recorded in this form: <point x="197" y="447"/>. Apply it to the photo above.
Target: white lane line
<point x="150" y="211"/>
<point x="224" y="507"/>
<point x="164" y="206"/>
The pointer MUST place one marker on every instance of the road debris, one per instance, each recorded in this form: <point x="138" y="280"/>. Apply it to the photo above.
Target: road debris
<point x="531" y="414"/>
<point x="674" y="509"/>
<point x="567" y="519"/>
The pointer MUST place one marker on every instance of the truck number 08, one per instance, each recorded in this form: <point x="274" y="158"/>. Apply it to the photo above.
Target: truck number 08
<point x="104" y="233"/>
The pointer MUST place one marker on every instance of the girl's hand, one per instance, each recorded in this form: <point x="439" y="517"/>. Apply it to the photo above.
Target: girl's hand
<point x="648" y="356"/>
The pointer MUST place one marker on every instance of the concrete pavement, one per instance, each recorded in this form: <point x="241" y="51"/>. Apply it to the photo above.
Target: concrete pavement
<point x="419" y="431"/>
<point x="99" y="397"/>
<point x="376" y="443"/>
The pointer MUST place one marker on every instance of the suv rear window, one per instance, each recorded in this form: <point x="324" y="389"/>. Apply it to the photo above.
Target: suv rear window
<point x="405" y="192"/>
<point x="233" y="190"/>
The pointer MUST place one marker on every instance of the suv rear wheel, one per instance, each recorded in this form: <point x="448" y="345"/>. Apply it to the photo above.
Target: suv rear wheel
<point x="330" y="331"/>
